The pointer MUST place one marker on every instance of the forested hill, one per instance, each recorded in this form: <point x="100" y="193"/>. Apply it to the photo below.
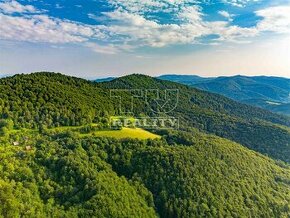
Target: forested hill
<point x="253" y="127"/>
<point x="51" y="100"/>
<point x="44" y="100"/>
<point x="183" y="175"/>
<point x="271" y="93"/>
<point x="200" y="98"/>
<point x="59" y="172"/>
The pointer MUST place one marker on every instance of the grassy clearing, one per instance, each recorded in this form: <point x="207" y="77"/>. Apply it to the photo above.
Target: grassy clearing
<point x="136" y="133"/>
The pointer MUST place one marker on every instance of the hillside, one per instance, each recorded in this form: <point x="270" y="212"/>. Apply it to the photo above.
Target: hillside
<point x="51" y="100"/>
<point x="55" y="164"/>
<point x="183" y="175"/>
<point x="274" y="106"/>
<point x="57" y="178"/>
<point x="212" y="113"/>
<point x="45" y="100"/>
<point x="271" y="93"/>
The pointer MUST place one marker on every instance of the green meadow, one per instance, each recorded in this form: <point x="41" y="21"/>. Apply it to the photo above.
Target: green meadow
<point x="135" y="133"/>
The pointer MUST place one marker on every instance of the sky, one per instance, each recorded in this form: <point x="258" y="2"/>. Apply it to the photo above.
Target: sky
<point x="98" y="38"/>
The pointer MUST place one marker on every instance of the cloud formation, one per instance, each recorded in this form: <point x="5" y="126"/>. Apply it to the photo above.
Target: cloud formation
<point x="42" y="28"/>
<point x="137" y="29"/>
<point x="226" y="15"/>
<point x="240" y="3"/>
<point x="150" y="5"/>
<point x="131" y="24"/>
<point x="10" y="7"/>
<point x="275" y="19"/>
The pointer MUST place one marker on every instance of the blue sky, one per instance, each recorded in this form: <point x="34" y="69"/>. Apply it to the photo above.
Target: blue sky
<point x="98" y="38"/>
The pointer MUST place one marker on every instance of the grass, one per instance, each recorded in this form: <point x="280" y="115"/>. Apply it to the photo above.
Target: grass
<point x="136" y="133"/>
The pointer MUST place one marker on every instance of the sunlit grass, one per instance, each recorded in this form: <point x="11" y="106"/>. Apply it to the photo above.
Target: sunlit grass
<point x="136" y="133"/>
<point x="124" y="133"/>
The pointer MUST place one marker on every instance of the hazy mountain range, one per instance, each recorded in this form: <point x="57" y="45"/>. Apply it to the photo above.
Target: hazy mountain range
<point x="271" y="93"/>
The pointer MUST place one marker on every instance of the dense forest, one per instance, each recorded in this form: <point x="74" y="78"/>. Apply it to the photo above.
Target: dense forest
<point x="214" y="165"/>
<point x="45" y="100"/>
<point x="182" y="175"/>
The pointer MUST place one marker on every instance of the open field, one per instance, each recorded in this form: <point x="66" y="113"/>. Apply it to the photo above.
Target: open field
<point x="124" y="133"/>
<point x="135" y="133"/>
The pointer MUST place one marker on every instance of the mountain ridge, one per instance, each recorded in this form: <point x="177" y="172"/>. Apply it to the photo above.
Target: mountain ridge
<point x="33" y="101"/>
<point x="244" y="89"/>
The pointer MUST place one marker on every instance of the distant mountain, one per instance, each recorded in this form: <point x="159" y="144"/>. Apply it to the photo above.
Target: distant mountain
<point x="271" y="93"/>
<point x="107" y="79"/>
<point x="185" y="79"/>
<point x="4" y="75"/>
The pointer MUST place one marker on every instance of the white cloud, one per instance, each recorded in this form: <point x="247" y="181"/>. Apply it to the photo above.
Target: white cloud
<point x="150" y="5"/>
<point x="136" y="29"/>
<point x="58" y="6"/>
<point x="191" y="14"/>
<point x="226" y="15"/>
<point x="36" y="28"/>
<point x="42" y="28"/>
<point x="275" y="19"/>
<point x="232" y="33"/>
<point x="136" y="5"/>
<point x="104" y="49"/>
<point x="9" y="7"/>
<point x="109" y="48"/>
<point x="240" y="3"/>
<point x="171" y="5"/>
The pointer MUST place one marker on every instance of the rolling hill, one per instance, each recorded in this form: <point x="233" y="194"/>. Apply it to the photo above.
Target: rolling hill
<point x="213" y="166"/>
<point x="185" y="174"/>
<point x="271" y="93"/>
<point x="255" y="128"/>
<point x="49" y="100"/>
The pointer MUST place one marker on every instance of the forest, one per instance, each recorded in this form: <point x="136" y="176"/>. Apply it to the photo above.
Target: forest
<point x="181" y="175"/>
<point x="46" y="100"/>
<point x="227" y="159"/>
